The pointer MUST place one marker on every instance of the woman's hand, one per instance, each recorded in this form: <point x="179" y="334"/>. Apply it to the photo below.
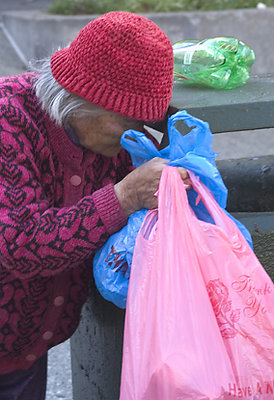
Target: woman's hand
<point x="137" y="190"/>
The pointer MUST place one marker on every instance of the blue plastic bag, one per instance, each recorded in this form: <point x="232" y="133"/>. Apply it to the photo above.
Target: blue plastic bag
<point x="193" y="151"/>
<point x="111" y="264"/>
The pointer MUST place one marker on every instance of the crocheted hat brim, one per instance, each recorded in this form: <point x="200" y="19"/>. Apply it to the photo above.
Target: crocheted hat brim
<point x="100" y="93"/>
<point x="121" y="62"/>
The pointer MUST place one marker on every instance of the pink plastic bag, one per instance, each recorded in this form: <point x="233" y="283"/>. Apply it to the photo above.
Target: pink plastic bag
<point x="199" y="320"/>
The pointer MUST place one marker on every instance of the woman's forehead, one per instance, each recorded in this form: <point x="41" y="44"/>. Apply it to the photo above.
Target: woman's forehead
<point x="93" y="110"/>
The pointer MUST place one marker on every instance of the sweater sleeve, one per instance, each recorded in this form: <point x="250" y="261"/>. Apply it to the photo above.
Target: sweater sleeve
<point x="109" y="208"/>
<point x="36" y="238"/>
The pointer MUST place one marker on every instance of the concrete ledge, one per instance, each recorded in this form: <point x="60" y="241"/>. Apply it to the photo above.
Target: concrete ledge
<point x="250" y="184"/>
<point x="38" y="34"/>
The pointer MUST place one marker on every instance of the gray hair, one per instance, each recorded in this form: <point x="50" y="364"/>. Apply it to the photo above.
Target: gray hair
<point x="54" y="99"/>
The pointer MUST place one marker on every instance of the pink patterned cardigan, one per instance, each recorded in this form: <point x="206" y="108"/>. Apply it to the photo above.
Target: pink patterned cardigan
<point x="57" y="207"/>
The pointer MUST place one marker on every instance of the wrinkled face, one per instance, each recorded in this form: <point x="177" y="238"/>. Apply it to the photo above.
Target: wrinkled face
<point x="100" y="131"/>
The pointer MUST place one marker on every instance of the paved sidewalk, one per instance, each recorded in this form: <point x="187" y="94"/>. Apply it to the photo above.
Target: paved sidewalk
<point x="59" y="373"/>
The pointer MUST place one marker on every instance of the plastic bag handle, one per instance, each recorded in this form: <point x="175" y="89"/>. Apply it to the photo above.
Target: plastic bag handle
<point x="198" y="141"/>
<point x="173" y="181"/>
<point x="219" y="216"/>
<point x="188" y="119"/>
<point x="137" y="144"/>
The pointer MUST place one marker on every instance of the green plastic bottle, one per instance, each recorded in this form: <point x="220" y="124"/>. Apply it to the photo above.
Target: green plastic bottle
<point x="221" y="62"/>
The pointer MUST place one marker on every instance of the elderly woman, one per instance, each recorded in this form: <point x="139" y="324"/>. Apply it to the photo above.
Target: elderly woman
<point x="66" y="183"/>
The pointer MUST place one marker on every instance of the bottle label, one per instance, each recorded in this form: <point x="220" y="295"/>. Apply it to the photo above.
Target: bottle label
<point x="188" y="57"/>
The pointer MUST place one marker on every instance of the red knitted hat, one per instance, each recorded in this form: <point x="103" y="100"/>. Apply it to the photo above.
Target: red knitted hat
<point x="122" y="62"/>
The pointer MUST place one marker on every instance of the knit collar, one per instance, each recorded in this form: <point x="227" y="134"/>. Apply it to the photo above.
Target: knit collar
<point x="65" y="146"/>
<point x="72" y="135"/>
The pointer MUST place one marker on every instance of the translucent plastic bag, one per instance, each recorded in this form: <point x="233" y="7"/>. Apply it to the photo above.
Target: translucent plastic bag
<point x="199" y="320"/>
<point x="112" y="263"/>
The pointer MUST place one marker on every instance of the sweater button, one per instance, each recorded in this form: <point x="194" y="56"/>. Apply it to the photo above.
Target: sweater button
<point x="47" y="335"/>
<point x="75" y="180"/>
<point x="31" y="357"/>
<point x="58" y="301"/>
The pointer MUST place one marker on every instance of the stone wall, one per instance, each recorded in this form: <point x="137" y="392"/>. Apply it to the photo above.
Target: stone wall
<point x="36" y="34"/>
